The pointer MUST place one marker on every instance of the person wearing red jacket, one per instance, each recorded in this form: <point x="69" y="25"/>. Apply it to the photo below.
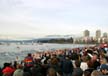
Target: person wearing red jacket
<point x="8" y="71"/>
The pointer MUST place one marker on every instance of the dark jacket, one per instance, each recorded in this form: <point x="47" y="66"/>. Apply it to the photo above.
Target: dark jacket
<point x="67" y="66"/>
<point x="77" y="72"/>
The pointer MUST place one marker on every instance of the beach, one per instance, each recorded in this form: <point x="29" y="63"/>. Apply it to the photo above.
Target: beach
<point x="10" y="52"/>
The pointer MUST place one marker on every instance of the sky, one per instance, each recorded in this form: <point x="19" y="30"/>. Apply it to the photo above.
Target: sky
<point x="38" y="18"/>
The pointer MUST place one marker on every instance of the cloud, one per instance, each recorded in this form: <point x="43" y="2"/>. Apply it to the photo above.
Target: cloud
<point x="37" y="4"/>
<point x="44" y="17"/>
<point x="49" y="3"/>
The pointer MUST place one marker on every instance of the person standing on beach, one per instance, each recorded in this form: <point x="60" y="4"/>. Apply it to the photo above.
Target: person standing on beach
<point x="67" y="67"/>
<point x="19" y="71"/>
<point x="28" y="61"/>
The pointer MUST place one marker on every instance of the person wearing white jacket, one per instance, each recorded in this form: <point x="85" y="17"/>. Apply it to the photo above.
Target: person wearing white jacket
<point x="84" y="64"/>
<point x="19" y="71"/>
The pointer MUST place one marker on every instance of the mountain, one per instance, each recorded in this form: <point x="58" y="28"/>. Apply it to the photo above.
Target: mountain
<point x="60" y="36"/>
<point x="25" y="39"/>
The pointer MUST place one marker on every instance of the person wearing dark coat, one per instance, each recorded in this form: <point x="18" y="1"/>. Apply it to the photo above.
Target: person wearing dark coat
<point x="67" y="67"/>
<point x="77" y="71"/>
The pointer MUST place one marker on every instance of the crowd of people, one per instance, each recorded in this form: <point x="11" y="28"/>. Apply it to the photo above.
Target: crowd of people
<point x="86" y="61"/>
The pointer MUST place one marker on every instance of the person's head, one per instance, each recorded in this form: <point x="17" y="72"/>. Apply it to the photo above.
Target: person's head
<point x="103" y="61"/>
<point x="29" y="54"/>
<point x="6" y="65"/>
<point x="54" y="61"/>
<point x="67" y="57"/>
<point x="84" y="58"/>
<point x="19" y="66"/>
<point x="51" y="72"/>
<point x="77" y="63"/>
<point x="87" y="73"/>
<point x="104" y="69"/>
<point x="95" y="57"/>
<point x="96" y="73"/>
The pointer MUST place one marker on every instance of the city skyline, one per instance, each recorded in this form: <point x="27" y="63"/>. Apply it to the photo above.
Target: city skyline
<point x="98" y="33"/>
<point x="38" y="18"/>
<point x="85" y="34"/>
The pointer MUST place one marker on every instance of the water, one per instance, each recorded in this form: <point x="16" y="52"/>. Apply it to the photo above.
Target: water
<point x="8" y="53"/>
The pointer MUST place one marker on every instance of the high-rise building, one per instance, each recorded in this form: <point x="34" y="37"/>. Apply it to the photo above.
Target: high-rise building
<point x="105" y="35"/>
<point x="86" y="33"/>
<point x="98" y="34"/>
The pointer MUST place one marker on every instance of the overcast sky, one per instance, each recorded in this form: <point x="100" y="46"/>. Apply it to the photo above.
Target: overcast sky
<point x="37" y="18"/>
